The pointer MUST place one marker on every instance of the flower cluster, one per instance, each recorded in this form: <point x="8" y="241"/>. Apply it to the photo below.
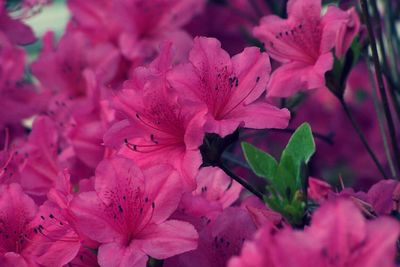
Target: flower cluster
<point x="120" y="139"/>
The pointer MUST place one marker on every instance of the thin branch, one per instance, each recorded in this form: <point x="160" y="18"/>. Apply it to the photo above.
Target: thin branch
<point x="362" y="138"/>
<point x="241" y="181"/>
<point x="381" y="85"/>
<point x="379" y="115"/>
<point x="385" y="63"/>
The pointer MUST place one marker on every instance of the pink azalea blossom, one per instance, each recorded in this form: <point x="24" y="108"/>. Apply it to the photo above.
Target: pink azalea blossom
<point x="347" y="24"/>
<point x="59" y="240"/>
<point x="219" y="240"/>
<point x="128" y="214"/>
<point x="86" y="123"/>
<point x="338" y="236"/>
<point x="303" y="43"/>
<point x="17" y="210"/>
<point x="60" y="68"/>
<point x="38" y="157"/>
<point x="15" y="94"/>
<point x="56" y="241"/>
<point x="384" y="196"/>
<point x="15" y="30"/>
<point x="157" y="125"/>
<point x="262" y="214"/>
<point x="229" y="87"/>
<point x="140" y="26"/>
<point x="214" y="185"/>
<point x="318" y="190"/>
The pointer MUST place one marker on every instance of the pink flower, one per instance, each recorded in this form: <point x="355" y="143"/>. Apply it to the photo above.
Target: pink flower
<point x="318" y="190"/>
<point x="214" y="185"/>
<point x="229" y="87"/>
<point x="262" y="214"/>
<point x="17" y="210"/>
<point x="15" y="30"/>
<point x="56" y="242"/>
<point x="128" y="214"/>
<point x="219" y="240"/>
<point x="384" y="196"/>
<point x="140" y="26"/>
<point x="338" y="236"/>
<point x="38" y="157"/>
<point x="15" y="95"/>
<point x="157" y="125"/>
<point x="88" y="121"/>
<point x="347" y="24"/>
<point x="60" y="68"/>
<point x="303" y="43"/>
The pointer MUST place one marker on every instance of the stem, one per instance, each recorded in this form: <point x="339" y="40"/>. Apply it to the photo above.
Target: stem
<point x="378" y="73"/>
<point x="256" y="8"/>
<point x="379" y="115"/>
<point x="385" y="63"/>
<point x="392" y="39"/>
<point x="362" y="137"/>
<point x="241" y="181"/>
<point x="232" y="158"/>
<point x="393" y="30"/>
<point x="242" y="14"/>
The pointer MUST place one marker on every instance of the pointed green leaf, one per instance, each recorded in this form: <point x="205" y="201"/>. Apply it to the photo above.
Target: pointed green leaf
<point x="301" y="145"/>
<point x="262" y="164"/>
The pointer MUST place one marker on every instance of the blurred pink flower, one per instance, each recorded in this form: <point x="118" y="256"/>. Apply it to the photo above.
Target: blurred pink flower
<point x="140" y="26"/>
<point x="16" y="31"/>
<point x="338" y="236"/>
<point x="219" y="240"/>
<point x="60" y="68"/>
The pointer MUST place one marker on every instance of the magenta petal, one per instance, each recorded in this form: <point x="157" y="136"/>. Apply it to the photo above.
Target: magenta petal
<point x="18" y="32"/>
<point x="42" y="167"/>
<point x="304" y="8"/>
<point x="252" y="69"/>
<point x="380" y="195"/>
<point x="379" y="249"/>
<point x="189" y="167"/>
<point x="340" y="29"/>
<point x="113" y="254"/>
<point x="208" y="55"/>
<point x="65" y="241"/>
<point x="164" y="188"/>
<point x="261" y="115"/>
<point x="91" y="220"/>
<point x="289" y="79"/>
<point x="12" y="259"/>
<point x="167" y="239"/>
<point x="214" y="185"/>
<point x="117" y="174"/>
<point x="296" y="76"/>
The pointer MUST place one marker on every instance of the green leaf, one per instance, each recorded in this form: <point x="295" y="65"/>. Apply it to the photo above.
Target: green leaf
<point x="262" y="163"/>
<point x="301" y="145"/>
<point x="287" y="180"/>
<point x="285" y="177"/>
